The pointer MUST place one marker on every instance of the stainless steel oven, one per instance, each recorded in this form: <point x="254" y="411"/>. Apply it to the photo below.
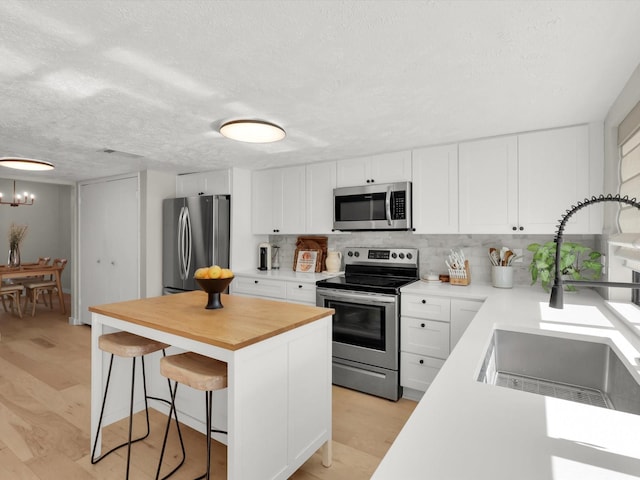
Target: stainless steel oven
<point x="366" y="323"/>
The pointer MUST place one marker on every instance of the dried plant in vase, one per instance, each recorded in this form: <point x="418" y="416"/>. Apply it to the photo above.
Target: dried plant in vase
<point x="16" y="235"/>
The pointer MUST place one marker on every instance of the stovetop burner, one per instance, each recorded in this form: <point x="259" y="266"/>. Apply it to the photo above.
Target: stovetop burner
<point x="376" y="270"/>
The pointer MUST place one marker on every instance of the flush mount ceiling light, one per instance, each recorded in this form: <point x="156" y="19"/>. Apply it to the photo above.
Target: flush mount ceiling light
<point x="25" y="164"/>
<point x="252" y="131"/>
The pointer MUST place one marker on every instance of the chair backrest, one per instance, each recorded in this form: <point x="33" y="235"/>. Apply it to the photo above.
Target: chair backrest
<point x="44" y="260"/>
<point x="60" y="262"/>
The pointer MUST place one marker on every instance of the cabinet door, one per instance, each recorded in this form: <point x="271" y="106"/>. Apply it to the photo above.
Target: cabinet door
<point x="352" y="172"/>
<point x="321" y="180"/>
<point x="554" y="174"/>
<point x="263" y="287"/>
<point x="435" y="189"/>
<point x="424" y="306"/>
<point x="489" y="186"/>
<point x="424" y="337"/>
<point x="262" y="201"/>
<point x="298" y="292"/>
<point x="390" y="167"/>
<point x="190" y="185"/>
<point x="290" y="210"/>
<point x="462" y="312"/>
<point x="418" y="371"/>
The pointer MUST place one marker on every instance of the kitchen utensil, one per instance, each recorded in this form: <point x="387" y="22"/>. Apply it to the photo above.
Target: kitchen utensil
<point x="494" y="256"/>
<point x="507" y="258"/>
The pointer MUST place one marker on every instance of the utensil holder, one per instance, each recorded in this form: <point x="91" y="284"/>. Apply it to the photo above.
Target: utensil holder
<point x="501" y="276"/>
<point x="465" y="280"/>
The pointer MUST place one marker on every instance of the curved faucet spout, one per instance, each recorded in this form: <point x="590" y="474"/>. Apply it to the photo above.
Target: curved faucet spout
<point x="556" y="298"/>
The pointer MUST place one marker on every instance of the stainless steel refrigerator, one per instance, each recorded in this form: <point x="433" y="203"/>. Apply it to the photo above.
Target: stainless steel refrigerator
<point x="195" y="234"/>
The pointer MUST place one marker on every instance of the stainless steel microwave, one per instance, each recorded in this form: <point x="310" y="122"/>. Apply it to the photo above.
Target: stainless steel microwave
<point x="384" y="206"/>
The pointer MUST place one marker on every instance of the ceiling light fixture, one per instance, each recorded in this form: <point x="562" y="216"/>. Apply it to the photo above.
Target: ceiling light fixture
<point x="18" y="199"/>
<point x="252" y="131"/>
<point x="26" y="164"/>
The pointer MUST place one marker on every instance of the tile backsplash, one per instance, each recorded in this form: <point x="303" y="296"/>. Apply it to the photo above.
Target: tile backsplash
<point x="434" y="249"/>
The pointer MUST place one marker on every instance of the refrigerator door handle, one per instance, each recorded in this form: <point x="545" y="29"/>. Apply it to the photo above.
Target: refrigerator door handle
<point x="187" y="228"/>
<point x="181" y="243"/>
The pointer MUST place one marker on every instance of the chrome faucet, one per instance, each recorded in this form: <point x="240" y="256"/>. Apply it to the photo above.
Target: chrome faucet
<point x="556" y="300"/>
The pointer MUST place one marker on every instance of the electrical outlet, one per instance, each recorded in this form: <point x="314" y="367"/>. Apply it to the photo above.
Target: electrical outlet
<point x="518" y="253"/>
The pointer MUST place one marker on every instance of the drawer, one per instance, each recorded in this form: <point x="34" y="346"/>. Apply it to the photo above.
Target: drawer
<point x="301" y="292"/>
<point x="418" y="371"/>
<point x="424" y="306"/>
<point x="262" y="287"/>
<point x="424" y="337"/>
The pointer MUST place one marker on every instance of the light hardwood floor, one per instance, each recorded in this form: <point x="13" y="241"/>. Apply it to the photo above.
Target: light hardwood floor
<point x="45" y="407"/>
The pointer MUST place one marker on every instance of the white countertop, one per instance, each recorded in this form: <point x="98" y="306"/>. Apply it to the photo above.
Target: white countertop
<point x="286" y="274"/>
<point x="466" y="430"/>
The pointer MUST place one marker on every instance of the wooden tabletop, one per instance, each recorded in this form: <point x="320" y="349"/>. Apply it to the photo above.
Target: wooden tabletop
<point x="243" y="321"/>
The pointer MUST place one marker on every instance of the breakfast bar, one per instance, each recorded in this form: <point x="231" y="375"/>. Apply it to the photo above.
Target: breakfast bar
<point x="277" y="406"/>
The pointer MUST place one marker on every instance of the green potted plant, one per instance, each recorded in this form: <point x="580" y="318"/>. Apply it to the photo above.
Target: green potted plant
<point x="576" y="260"/>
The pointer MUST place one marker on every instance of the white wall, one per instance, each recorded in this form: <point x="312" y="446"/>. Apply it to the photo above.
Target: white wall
<point x="49" y="221"/>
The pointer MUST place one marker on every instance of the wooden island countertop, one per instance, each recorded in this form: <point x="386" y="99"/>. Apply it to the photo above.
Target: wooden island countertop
<point x="243" y="321"/>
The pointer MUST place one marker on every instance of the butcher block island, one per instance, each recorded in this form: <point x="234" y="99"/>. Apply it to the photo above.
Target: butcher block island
<point x="277" y="406"/>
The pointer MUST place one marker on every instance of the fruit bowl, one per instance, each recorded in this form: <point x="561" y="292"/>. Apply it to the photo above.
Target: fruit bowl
<point x="213" y="287"/>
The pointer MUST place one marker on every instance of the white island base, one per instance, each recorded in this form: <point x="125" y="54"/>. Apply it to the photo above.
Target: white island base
<point x="277" y="407"/>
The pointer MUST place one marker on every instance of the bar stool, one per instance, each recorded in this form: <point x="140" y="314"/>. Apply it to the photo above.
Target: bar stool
<point x="128" y="345"/>
<point x="198" y="372"/>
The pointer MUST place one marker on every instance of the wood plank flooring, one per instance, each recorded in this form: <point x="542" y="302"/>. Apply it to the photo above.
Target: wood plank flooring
<point x="45" y="408"/>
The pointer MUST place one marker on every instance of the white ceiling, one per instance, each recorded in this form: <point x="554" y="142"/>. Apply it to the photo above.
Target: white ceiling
<point x="344" y="78"/>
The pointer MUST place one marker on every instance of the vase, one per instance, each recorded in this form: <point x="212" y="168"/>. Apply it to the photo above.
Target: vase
<point x="333" y="261"/>
<point x="14" y="256"/>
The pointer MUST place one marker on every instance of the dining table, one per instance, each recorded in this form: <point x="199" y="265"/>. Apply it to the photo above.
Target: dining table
<point x="26" y="270"/>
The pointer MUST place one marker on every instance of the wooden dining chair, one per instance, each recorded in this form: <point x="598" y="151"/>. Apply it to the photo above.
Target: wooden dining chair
<point x="34" y="289"/>
<point x="11" y="292"/>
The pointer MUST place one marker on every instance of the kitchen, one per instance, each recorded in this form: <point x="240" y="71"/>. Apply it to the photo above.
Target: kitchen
<point x="433" y="246"/>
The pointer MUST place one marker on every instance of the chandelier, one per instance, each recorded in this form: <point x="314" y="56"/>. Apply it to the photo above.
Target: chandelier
<point x="17" y="200"/>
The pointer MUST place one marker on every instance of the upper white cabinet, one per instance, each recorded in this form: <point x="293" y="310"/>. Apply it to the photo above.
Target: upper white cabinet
<point x="321" y="180"/>
<point x="384" y="168"/>
<point x="278" y="200"/>
<point x="554" y="174"/>
<point x="435" y="189"/>
<point x="216" y="182"/>
<point x="523" y="183"/>
<point x="488" y="183"/>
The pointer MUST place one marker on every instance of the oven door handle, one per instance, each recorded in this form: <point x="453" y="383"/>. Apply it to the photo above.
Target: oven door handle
<point x="376" y="298"/>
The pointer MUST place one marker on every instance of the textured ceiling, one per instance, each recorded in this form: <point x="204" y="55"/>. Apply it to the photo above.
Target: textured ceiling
<point x="152" y="79"/>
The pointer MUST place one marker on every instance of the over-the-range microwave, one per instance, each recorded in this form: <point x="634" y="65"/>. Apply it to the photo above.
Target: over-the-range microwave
<point x="383" y="206"/>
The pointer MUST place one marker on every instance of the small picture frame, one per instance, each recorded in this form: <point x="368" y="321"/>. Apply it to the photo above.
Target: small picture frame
<point x="306" y="261"/>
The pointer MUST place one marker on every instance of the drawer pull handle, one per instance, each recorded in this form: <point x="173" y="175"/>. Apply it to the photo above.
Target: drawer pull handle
<point x="421" y="361"/>
<point x="299" y="286"/>
<point x="424" y="301"/>
<point x="422" y="325"/>
<point x="255" y="281"/>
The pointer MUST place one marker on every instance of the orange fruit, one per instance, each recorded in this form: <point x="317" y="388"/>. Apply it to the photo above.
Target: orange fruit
<point x="201" y="273"/>
<point x="215" y="271"/>
<point x="226" y="273"/>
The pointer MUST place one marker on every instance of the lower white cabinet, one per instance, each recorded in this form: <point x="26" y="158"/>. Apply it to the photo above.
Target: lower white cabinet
<point x="275" y="289"/>
<point x="418" y="371"/>
<point x="430" y="326"/>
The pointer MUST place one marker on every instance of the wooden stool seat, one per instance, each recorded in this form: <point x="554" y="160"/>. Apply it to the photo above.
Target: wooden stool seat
<point x="128" y="345"/>
<point x="196" y="371"/>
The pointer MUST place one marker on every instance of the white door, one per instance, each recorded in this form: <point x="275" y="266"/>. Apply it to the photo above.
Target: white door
<point x="554" y="174"/>
<point x="109" y="237"/>
<point x="435" y="189"/>
<point x="489" y="186"/>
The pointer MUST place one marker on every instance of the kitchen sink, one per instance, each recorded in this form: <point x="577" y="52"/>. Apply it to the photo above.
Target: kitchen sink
<point x="582" y="371"/>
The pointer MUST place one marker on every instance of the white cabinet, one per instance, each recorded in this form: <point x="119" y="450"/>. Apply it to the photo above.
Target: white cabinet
<point x="435" y="189"/>
<point x="430" y="326"/>
<point x="462" y="312"/>
<point x="321" y="180"/>
<point x="554" y="174"/>
<point x="523" y="183"/>
<point x="108" y="244"/>
<point x="276" y="289"/>
<point x="488" y="182"/>
<point x="384" y="168"/>
<point x="278" y="200"/>
<point x="215" y="182"/>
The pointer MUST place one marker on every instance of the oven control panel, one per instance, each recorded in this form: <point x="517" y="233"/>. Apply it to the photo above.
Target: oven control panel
<point x="362" y="255"/>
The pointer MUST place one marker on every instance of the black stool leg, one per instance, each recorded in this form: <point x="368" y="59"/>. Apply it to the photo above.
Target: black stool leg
<point x="208" y="397"/>
<point x="104" y="401"/>
<point x="172" y="411"/>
